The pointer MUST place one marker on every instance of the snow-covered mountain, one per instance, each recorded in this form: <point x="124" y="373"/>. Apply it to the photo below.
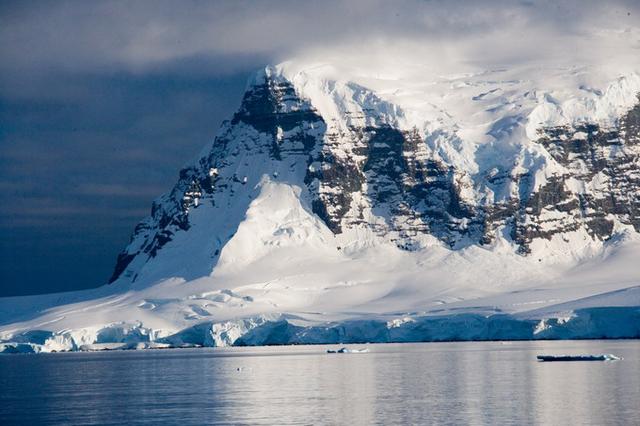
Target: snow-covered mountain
<point x="337" y="206"/>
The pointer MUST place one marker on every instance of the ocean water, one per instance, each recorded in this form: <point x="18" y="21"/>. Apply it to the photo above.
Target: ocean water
<point x="475" y="383"/>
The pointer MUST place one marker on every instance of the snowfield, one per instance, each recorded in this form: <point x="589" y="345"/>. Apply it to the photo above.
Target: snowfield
<point x="259" y="267"/>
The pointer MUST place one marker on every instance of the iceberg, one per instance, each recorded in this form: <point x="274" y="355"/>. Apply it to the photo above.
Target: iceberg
<point x="602" y="357"/>
<point x="347" y="351"/>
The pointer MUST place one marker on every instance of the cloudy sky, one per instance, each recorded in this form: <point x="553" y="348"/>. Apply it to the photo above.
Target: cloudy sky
<point x="101" y="103"/>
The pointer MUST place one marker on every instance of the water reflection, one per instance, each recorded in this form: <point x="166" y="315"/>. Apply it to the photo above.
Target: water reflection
<point x="444" y="383"/>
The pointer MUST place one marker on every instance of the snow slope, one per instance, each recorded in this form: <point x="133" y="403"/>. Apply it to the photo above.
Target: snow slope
<point x="301" y="223"/>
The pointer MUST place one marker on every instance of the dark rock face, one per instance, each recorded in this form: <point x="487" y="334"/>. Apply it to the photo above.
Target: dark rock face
<point x="333" y="180"/>
<point x="607" y="162"/>
<point x="274" y="107"/>
<point x="414" y="193"/>
<point x="600" y="182"/>
<point x="379" y="168"/>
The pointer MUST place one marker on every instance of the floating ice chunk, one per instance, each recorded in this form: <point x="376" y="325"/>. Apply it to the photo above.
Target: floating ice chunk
<point x="347" y="351"/>
<point x="602" y="357"/>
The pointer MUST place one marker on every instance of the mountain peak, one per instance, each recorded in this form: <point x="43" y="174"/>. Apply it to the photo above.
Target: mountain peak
<point x="330" y="200"/>
<point x="358" y="166"/>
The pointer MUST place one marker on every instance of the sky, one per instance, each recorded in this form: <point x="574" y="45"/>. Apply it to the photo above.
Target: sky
<point x="101" y="103"/>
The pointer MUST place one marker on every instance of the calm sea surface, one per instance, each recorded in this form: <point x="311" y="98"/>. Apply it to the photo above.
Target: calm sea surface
<point x="428" y="383"/>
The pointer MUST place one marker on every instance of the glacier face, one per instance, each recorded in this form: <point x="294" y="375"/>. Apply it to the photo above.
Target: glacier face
<point x="325" y="211"/>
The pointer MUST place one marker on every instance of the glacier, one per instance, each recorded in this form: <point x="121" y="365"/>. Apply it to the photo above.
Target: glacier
<point x="347" y="207"/>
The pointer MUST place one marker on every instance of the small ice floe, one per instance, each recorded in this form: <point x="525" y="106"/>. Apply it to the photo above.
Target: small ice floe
<point x="347" y="351"/>
<point x="602" y="357"/>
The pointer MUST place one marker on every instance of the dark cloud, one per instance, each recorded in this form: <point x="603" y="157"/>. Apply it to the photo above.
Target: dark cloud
<point x="78" y="172"/>
<point x="78" y="36"/>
